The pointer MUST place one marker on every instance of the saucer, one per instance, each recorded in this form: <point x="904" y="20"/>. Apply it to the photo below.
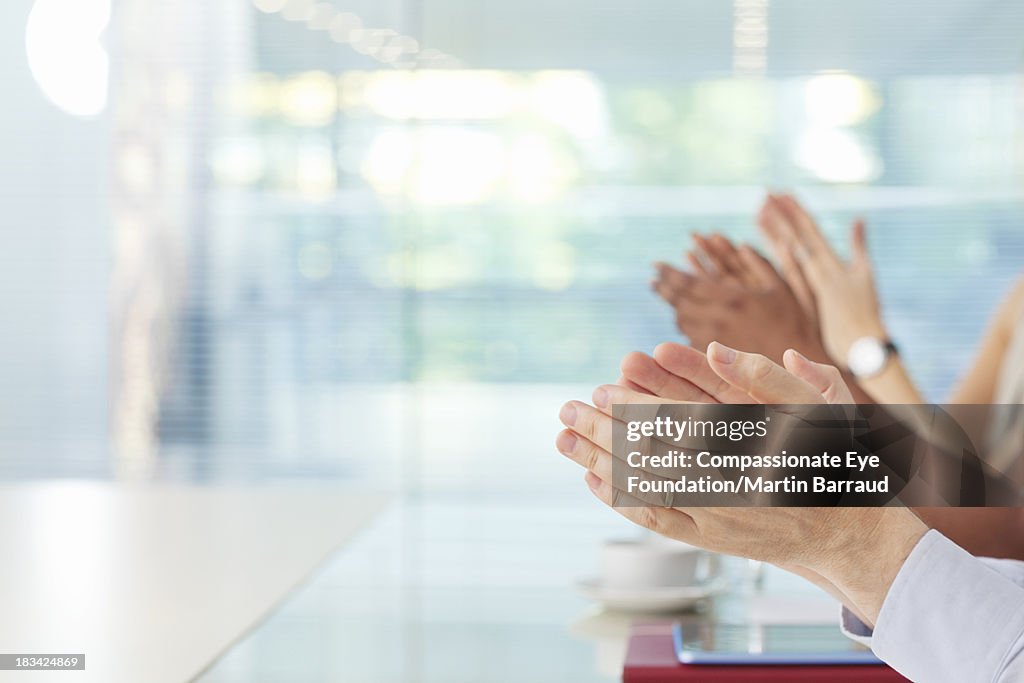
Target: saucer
<point x="650" y="600"/>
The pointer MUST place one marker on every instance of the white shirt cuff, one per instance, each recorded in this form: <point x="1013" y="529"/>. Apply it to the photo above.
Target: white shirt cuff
<point x="853" y="628"/>
<point x="948" y="616"/>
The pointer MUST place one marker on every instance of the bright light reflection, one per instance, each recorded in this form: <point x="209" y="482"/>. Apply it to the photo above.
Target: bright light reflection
<point x="310" y="99"/>
<point x="839" y="100"/>
<point x="456" y="166"/>
<point x="315" y="175"/>
<point x="573" y="100"/>
<point x="65" y="56"/>
<point x="537" y="171"/>
<point x="237" y="161"/>
<point x="435" y="94"/>
<point x="436" y="166"/>
<point x="260" y="95"/>
<point x="837" y="156"/>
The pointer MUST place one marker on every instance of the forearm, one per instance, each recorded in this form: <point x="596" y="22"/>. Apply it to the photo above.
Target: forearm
<point x="866" y="563"/>
<point x="893" y="385"/>
<point x="978" y="385"/>
<point x="825" y="585"/>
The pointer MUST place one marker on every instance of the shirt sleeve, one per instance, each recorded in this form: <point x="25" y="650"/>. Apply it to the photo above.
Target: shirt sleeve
<point x="950" y="616"/>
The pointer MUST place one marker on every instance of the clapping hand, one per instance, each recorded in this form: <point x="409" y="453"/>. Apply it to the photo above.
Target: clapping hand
<point x="854" y="553"/>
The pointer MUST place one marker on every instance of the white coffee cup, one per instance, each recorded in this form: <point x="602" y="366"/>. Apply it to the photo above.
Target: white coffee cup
<point x="654" y="563"/>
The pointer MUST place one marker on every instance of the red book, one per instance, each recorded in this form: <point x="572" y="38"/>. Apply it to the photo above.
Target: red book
<point x="651" y="658"/>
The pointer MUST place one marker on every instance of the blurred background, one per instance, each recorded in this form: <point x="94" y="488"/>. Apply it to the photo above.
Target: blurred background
<point x="381" y="241"/>
<point x="236" y="232"/>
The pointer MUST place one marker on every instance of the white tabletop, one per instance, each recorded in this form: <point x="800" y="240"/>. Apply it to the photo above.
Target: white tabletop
<point x="476" y="589"/>
<point x="152" y="583"/>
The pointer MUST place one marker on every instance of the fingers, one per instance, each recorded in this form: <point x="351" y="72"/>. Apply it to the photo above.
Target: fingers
<point x="803" y="226"/>
<point x="597" y="460"/>
<point x="761" y="271"/>
<point x="596" y="425"/>
<point x="661" y="520"/>
<point x="623" y="381"/>
<point x="804" y="254"/>
<point x="698" y="333"/>
<point x="669" y="283"/>
<point x="760" y="378"/>
<point x="696" y="260"/>
<point x="825" y="379"/>
<point x="588" y="422"/>
<point x="645" y="372"/>
<point x="783" y="239"/>
<point x="798" y="282"/>
<point x="695" y="299"/>
<point x="859" y="243"/>
<point x="643" y="407"/>
<point x="584" y="453"/>
<point x="692" y="365"/>
<point x="723" y="257"/>
<point x="715" y="265"/>
<point x="735" y="262"/>
<point x="775" y="225"/>
<point x="608" y="395"/>
<point x="673" y="285"/>
<point x="762" y="219"/>
<point x="602" y="464"/>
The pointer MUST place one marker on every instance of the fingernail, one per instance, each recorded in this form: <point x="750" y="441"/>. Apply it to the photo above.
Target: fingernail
<point x="568" y="414"/>
<point x="721" y="353"/>
<point x="600" y="397"/>
<point x="593" y="481"/>
<point x="566" y="442"/>
<point x="799" y="355"/>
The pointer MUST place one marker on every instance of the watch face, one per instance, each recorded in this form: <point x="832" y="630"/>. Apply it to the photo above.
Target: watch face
<point x="867" y="357"/>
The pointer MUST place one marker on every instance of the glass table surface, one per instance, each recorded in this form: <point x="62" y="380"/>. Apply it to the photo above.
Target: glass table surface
<point x="476" y="591"/>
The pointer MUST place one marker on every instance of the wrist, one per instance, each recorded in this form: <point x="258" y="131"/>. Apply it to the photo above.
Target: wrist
<point x="870" y="356"/>
<point x="892" y="385"/>
<point x="869" y="559"/>
<point x="870" y="327"/>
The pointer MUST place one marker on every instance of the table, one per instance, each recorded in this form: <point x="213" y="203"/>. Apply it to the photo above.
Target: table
<point x="152" y="583"/>
<point x="451" y="589"/>
<point x="299" y="582"/>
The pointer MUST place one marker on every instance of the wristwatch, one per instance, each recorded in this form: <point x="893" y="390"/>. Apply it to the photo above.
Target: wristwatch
<point x="868" y="356"/>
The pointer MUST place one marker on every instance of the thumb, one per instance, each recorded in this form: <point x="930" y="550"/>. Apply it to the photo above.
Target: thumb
<point x="760" y="378"/>
<point x="825" y="378"/>
<point x="859" y="243"/>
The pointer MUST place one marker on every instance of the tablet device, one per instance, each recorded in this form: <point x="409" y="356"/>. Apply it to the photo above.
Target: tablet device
<point x="761" y="644"/>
